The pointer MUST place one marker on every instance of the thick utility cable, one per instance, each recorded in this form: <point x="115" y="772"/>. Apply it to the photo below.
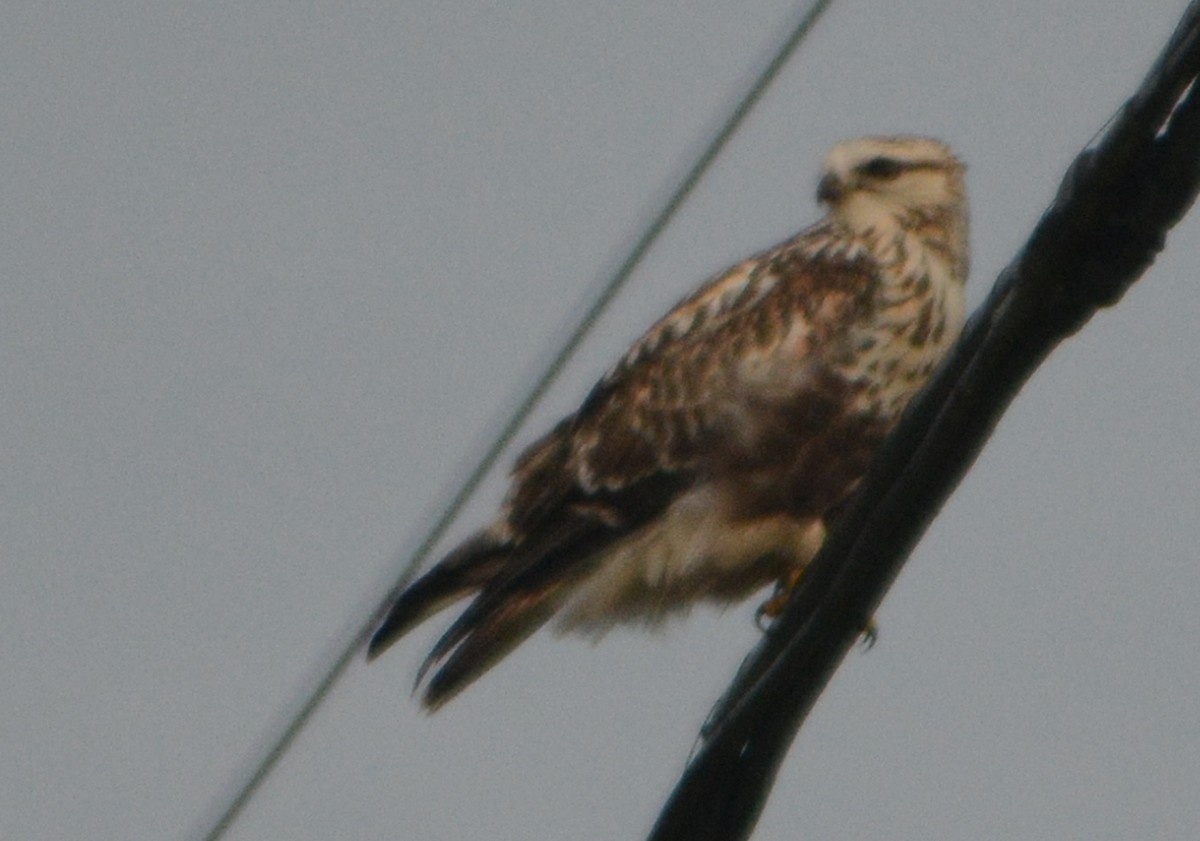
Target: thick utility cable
<point x="612" y="286"/>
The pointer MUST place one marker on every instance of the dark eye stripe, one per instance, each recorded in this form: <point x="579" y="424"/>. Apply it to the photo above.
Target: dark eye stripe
<point x="881" y="167"/>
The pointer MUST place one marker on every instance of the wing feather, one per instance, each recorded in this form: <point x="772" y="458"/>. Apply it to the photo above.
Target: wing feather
<point x="677" y="397"/>
<point x="672" y="412"/>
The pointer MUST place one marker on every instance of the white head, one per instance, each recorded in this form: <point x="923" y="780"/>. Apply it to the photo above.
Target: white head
<point x="889" y="184"/>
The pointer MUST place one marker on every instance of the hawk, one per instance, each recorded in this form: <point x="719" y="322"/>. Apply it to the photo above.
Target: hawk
<point x="710" y="460"/>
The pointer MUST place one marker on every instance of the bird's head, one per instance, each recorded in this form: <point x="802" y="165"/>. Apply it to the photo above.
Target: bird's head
<point x="875" y="183"/>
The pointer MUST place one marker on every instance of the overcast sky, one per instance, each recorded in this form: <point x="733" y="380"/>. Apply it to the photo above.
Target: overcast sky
<point x="272" y="271"/>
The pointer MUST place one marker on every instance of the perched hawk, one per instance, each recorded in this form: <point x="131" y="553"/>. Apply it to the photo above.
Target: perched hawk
<point x="708" y="462"/>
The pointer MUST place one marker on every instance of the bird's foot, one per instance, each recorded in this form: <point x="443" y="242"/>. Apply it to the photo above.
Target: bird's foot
<point x="870" y="635"/>
<point x="772" y="607"/>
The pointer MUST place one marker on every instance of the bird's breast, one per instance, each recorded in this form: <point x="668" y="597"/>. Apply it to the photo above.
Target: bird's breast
<point x="892" y="353"/>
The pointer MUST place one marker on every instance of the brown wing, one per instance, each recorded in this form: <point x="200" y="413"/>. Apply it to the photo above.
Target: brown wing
<point x="678" y="408"/>
<point x="674" y="398"/>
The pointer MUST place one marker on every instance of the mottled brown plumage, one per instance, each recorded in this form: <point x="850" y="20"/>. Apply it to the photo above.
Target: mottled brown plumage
<point x="707" y="463"/>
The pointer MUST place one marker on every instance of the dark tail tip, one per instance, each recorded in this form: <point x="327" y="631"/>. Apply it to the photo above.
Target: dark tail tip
<point x="461" y="572"/>
<point x="384" y="636"/>
<point x="413" y="605"/>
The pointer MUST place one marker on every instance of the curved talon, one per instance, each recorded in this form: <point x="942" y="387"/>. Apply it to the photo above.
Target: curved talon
<point x="870" y="635"/>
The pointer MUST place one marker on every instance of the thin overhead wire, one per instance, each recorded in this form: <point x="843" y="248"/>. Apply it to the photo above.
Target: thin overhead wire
<point x="612" y="286"/>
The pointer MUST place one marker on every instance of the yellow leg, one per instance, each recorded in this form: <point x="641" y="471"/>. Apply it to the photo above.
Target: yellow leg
<point x="784" y="588"/>
<point x="772" y="607"/>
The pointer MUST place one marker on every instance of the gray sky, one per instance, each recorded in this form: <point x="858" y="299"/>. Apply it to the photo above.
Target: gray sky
<point x="271" y="272"/>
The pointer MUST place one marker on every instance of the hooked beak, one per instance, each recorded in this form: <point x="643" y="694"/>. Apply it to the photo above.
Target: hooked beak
<point x="831" y="189"/>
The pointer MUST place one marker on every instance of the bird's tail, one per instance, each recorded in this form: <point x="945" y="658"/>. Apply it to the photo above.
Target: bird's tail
<point x="516" y="587"/>
<point x="462" y="572"/>
<point x="537" y="575"/>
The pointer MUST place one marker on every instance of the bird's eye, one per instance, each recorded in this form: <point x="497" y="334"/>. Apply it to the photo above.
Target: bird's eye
<point x="882" y="168"/>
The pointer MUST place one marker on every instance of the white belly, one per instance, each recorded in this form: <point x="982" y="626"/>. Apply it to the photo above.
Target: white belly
<point x="694" y="551"/>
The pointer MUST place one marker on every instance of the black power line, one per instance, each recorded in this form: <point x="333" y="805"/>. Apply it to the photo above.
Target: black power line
<point x="1109" y="220"/>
